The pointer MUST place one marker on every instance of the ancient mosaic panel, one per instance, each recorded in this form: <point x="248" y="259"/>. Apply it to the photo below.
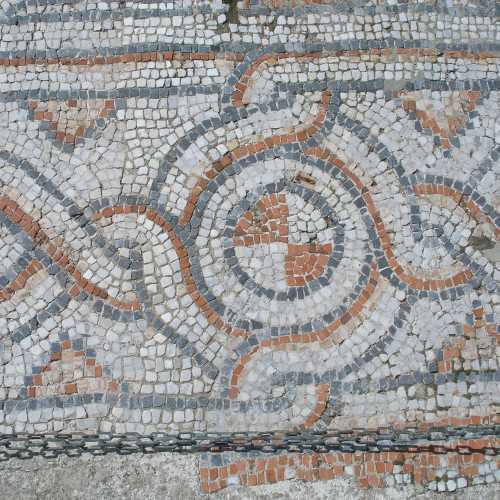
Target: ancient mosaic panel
<point x="253" y="216"/>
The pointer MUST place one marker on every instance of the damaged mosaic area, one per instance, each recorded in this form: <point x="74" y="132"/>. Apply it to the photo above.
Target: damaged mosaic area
<point x="253" y="216"/>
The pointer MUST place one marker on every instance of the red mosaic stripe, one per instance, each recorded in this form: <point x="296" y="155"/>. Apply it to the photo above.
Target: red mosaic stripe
<point x="123" y="58"/>
<point x="252" y="148"/>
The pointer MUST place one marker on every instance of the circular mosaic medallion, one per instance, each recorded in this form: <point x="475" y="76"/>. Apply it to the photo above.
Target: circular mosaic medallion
<point x="281" y="245"/>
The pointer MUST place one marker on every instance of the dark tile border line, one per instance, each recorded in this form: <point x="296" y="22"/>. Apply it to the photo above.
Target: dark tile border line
<point x="150" y="401"/>
<point x="97" y="15"/>
<point x="360" y="7"/>
<point x="353" y="8"/>
<point x="117" y="94"/>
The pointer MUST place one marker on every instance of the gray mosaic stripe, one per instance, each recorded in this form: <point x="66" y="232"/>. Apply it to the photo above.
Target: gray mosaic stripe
<point x="387" y="384"/>
<point x="250" y="48"/>
<point x="124" y="93"/>
<point x="487" y="8"/>
<point x="97" y="15"/>
<point x="150" y="401"/>
<point x="363" y="7"/>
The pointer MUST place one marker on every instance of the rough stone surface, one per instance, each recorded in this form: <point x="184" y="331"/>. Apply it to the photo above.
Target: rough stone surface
<point x="257" y="215"/>
<point x="166" y="477"/>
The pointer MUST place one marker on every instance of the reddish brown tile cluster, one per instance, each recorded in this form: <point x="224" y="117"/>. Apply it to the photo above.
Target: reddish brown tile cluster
<point x="455" y="118"/>
<point x="69" y="371"/>
<point x="72" y="119"/>
<point x="455" y="355"/>
<point x="322" y="394"/>
<point x="480" y="323"/>
<point x="20" y="281"/>
<point x="304" y="263"/>
<point x="266" y="223"/>
<point x="368" y="469"/>
<point x="238" y="371"/>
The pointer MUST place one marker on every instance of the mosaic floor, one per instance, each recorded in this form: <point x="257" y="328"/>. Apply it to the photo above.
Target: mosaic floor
<point x="242" y="217"/>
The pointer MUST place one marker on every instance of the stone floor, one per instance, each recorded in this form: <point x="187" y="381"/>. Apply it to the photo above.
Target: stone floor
<point x="254" y="216"/>
<point x="169" y="477"/>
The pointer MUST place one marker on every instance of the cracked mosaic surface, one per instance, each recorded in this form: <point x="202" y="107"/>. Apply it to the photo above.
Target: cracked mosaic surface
<point x="283" y="221"/>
